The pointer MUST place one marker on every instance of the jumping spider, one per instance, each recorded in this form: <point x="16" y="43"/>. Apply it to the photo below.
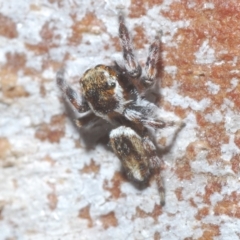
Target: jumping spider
<point x="116" y="94"/>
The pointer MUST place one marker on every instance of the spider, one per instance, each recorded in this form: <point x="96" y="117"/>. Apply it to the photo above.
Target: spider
<point x="117" y="94"/>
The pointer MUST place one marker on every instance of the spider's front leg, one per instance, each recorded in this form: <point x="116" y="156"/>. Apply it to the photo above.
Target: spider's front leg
<point x="77" y="101"/>
<point x="151" y="63"/>
<point x="131" y="64"/>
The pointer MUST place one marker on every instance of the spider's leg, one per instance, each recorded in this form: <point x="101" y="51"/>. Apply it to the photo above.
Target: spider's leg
<point x="90" y="121"/>
<point x="77" y="101"/>
<point x="144" y="114"/>
<point x="151" y="63"/>
<point x="131" y="64"/>
<point x="155" y="164"/>
<point x="138" y="118"/>
<point x="160" y="185"/>
<point x="154" y="160"/>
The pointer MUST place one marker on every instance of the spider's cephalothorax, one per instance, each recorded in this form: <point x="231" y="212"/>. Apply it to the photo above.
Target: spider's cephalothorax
<point x="116" y="94"/>
<point x="104" y="90"/>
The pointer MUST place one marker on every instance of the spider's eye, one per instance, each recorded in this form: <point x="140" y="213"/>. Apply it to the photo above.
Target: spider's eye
<point x="112" y="84"/>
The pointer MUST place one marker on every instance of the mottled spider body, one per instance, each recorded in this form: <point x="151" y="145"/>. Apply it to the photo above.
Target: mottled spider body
<point x="103" y="88"/>
<point x="138" y="155"/>
<point x="116" y="94"/>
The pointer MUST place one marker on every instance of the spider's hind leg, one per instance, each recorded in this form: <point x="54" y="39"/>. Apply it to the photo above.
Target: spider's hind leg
<point x="156" y="165"/>
<point x="160" y="186"/>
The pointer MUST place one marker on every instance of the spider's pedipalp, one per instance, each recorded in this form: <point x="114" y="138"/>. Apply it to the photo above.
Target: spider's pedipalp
<point x="75" y="99"/>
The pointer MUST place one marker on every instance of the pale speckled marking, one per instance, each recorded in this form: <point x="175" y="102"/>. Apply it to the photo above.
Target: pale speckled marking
<point x="136" y="173"/>
<point x="118" y="94"/>
<point x="122" y="130"/>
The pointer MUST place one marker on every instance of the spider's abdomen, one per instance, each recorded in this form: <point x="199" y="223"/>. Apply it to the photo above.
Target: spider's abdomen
<point x="101" y="89"/>
<point x="129" y="148"/>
